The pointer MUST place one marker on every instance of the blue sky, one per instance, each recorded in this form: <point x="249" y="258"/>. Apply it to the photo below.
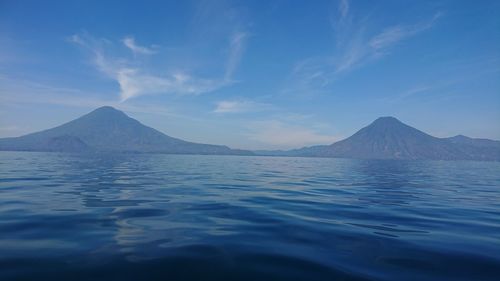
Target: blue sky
<point x="253" y="74"/>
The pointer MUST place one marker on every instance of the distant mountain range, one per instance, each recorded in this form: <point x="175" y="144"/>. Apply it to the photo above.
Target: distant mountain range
<point x="389" y="138"/>
<point x="108" y="129"/>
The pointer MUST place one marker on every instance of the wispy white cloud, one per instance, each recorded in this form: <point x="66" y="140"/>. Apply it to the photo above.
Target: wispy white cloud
<point x="18" y="91"/>
<point x="415" y="90"/>
<point x="236" y="48"/>
<point x="129" y="42"/>
<point x="355" y="47"/>
<point x="136" y="80"/>
<point x="278" y="134"/>
<point x="240" y="106"/>
<point x="22" y="94"/>
<point x="134" y="83"/>
<point x="232" y="106"/>
<point x="343" y="9"/>
<point x="359" y="49"/>
<point x="419" y="90"/>
<point x="394" y="34"/>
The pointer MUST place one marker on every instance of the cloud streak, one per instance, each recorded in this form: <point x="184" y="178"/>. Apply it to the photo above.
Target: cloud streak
<point x="236" y="48"/>
<point x="240" y="106"/>
<point x="357" y="50"/>
<point x="355" y="47"/>
<point x="129" y="42"/>
<point x="18" y="91"/>
<point x="392" y="35"/>
<point x="343" y="9"/>
<point x="135" y="80"/>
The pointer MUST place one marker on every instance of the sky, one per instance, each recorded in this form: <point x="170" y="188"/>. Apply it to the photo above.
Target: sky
<point x="253" y="74"/>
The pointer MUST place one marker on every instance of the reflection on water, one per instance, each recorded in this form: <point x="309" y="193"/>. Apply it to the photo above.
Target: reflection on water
<point x="135" y="216"/>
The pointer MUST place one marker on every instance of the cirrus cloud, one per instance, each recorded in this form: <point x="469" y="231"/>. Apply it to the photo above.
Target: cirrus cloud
<point x="240" y="106"/>
<point x="356" y="47"/>
<point x="129" y="42"/>
<point x="135" y="79"/>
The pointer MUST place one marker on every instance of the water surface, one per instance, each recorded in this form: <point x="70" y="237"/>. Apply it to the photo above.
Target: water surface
<point x="181" y="217"/>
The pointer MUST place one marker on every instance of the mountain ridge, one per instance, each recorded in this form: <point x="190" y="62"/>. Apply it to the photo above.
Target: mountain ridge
<point x="389" y="138"/>
<point x="109" y="129"/>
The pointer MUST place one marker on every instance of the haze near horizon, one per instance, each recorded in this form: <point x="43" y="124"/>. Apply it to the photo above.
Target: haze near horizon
<point x="260" y="75"/>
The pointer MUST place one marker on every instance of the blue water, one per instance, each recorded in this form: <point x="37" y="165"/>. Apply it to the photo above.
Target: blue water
<point x="181" y="217"/>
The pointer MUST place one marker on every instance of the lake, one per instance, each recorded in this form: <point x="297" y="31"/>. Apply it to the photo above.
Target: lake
<point x="187" y="217"/>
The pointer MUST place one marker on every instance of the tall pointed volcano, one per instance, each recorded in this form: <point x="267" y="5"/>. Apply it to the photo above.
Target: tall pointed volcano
<point x="389" y="138"/>
<point x="108" y="129"/>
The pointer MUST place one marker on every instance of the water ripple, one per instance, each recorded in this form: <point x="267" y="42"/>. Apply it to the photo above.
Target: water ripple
<point x="135" y="216"/>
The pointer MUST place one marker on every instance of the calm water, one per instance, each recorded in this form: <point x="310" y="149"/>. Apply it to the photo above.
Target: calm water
<point x="166" y="217"/>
